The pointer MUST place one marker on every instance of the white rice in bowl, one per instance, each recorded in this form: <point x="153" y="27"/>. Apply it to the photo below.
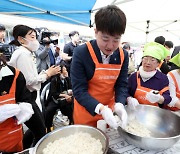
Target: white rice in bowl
<point x="137" y="128"/>
<point x="78" y="143"/>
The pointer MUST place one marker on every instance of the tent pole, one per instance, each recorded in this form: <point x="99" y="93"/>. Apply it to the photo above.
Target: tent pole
<point x="45" y="11"/>
<point x="164" y="25"/>
<point x="147" y="30"/>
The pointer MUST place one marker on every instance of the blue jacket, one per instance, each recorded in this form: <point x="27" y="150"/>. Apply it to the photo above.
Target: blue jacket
<point x="82" y="70"/>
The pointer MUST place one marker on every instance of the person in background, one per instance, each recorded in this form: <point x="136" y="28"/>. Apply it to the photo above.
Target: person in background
<point x="149" y="85"/>
<point x="131" y="67"/>
<point x="160" y="39"/>
<point x="163" y="66"/>
<point x="24" y="59"/>
<point x="2" y="34"/>
<point x="60" y="97"/>
<point x="174" y="53"/>
<point x="47" y="52"/>
<point x="46" y="55"/>
<point x="4" y="47"/>
<point x="168" y="45"/>
<point x="99" y="72"/>
<point x="15" y="107"/>
<point x="174" y="85"/>
<point x="69" y="47"/>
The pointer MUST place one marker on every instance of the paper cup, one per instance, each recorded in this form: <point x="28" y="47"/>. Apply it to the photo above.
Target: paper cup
<point x="102" y="125"/>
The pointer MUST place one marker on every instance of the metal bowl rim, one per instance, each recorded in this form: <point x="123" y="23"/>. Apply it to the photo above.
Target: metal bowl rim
<point x="69" y="126"/>
<point x="154" y="107"/>
<point x="144" y="137"/>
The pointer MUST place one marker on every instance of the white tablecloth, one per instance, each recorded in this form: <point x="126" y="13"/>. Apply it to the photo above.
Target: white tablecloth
<point x="118" y="144"/>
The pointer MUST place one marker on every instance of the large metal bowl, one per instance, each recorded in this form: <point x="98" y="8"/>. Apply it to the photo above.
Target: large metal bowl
<point x="163" y="125"/>
<point x="68" y="130"/>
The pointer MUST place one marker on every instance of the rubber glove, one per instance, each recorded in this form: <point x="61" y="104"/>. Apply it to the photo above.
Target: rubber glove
<point x="122" y="114"/>
<point x="153" y="97"/>
<point x="25" y="113"/>
<point x="108" y="116"/>
<point x="8" y="111"/>
<point x="132" y="103"/>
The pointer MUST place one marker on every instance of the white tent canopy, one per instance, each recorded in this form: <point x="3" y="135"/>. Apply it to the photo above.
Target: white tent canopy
<point x="162" y="15"/>
<point x="12" y="20"/>
<point x="146" y="19"/>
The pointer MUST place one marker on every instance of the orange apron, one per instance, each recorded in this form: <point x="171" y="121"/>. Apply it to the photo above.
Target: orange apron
<point x="101" y="87"/>
<point x="140" y="93"/>
<point x="177" y="93"/>
<point x="10" y="133"/>
<point x="160" y="64"/>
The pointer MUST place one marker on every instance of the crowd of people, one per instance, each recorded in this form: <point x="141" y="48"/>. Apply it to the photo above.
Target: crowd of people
<point x="87" y="82"/>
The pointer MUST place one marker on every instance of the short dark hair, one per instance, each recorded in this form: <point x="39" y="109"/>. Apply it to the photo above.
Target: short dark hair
<point x="111" y="20"/>
<point x="73" y="33"/>
<point x="126" y="46"/>
<point x="169" y="44"/>
<point x="160" y="40"/>
<point x="2" y="27"/>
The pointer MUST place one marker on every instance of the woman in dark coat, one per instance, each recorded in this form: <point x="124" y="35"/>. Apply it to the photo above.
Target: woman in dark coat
<point x="60" y="97"/>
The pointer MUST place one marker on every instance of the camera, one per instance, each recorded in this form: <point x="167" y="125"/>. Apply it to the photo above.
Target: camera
<point x="47" y="42"/>
<point x="6" y="50"/>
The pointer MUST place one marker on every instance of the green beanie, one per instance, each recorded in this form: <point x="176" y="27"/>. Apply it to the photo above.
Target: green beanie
<point x="176" y="60"/>
<point x="155" y="50"/>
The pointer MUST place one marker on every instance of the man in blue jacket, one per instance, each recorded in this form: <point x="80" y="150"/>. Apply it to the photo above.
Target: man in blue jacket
<point x="99" y="72"/>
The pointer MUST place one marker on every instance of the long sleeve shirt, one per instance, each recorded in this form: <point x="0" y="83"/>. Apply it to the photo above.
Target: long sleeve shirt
<point x="25" y="61"/>
<point x="172" y="87"/>
<point x="42" y="58"/>
<point x="82" y="70"/>
<point x="58" y="86"/>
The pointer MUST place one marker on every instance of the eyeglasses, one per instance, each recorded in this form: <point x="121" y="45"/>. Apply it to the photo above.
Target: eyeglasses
<point x="149" y="59"/>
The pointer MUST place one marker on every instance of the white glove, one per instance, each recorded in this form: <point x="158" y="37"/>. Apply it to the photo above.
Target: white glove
<point x="132" y="103"/>
<point x="122" y="114"/>
<point x="8" y="111"/>
<point x="108" y="116"/>
<point x="25" y="113"/>
<point x="153" y="97"/>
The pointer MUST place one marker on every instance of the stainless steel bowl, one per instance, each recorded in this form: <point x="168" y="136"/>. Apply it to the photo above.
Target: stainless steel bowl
<point x="163" y="125"/>
<point x="68" y="130"/>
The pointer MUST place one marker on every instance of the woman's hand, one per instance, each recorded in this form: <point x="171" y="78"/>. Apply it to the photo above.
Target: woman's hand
<point x="53" y="70"/>
<point x="67" y="97"/>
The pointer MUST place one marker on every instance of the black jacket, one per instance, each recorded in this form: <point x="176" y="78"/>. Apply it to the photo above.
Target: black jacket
<point x="22" y="93"/>
<point x="57" y="87"/>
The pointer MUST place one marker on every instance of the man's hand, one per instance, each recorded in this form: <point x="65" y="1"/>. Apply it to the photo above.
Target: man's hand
<point x="122" y="114"/>
<point x="108" y="116"/>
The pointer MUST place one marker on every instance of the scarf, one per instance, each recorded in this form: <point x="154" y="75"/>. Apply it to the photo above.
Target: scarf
<point x="146" y="75"/>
